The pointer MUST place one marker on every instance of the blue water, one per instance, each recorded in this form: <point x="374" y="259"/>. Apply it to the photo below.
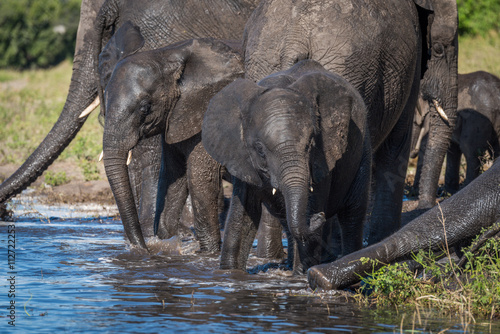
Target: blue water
<point x="77" y="274"/>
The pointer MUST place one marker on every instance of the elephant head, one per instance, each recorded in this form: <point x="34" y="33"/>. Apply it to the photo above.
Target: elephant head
<point x="159" y="91"/>
<point x="439" y="23"/>
<point x="284" y="136"/>
<point x="162" y="22"/>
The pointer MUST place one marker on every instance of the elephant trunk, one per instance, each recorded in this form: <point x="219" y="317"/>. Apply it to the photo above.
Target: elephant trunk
<point x="303" y="227"/>
<point x="82" y="94"/>
<point x="115" y="164"/>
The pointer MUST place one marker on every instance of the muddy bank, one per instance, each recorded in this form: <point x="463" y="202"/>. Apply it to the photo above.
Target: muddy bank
<point x="76" y="190"/>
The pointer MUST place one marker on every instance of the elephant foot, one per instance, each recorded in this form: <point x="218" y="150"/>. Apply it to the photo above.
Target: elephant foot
<point x="317" y="278"/>
<point x="210" y="247"/>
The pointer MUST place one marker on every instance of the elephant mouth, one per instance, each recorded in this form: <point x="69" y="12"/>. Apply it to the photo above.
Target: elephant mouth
<point x="440" y="109"/>
<point x="129" y="157"/>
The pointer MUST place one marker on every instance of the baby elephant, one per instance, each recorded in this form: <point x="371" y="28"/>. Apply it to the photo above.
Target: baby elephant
<point x="298" y="142"/>
<point x="166" y="91"/>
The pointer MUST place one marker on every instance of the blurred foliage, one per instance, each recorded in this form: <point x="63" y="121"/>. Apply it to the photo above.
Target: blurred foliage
<point x="37" y="33"/>
<point x="478" y="17"/>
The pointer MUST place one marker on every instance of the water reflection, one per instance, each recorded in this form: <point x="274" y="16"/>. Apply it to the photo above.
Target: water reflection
<point x="77" y="274"/>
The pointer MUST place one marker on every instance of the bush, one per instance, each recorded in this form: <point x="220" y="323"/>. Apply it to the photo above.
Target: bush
<point x="37" y="33"/>
<point x="56" y="179"/>
<point x="478" y="17"/>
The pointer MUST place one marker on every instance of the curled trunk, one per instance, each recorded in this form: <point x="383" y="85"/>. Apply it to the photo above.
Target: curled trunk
<point x="303" y="227"/>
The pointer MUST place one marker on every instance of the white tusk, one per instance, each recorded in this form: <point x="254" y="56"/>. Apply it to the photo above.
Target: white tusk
<point x="440" y="110"/>
<point x="311" y="189"/>
<point x="90" y="108"/>
<point x="101" y="156"/>
<point x="129" y="158"/>
<point x="274" y="191"/>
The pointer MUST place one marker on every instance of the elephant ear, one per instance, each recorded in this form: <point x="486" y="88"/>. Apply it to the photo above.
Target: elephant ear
<point x="126" y="41"/>
<point x="204" y="67"/>
<point x="336" y="102"/>
<point x="223" y="134"/>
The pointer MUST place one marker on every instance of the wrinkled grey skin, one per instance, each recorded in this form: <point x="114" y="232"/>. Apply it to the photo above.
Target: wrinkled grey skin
<point x="439" y="83"/>
<point x="162" y="22"/>
<point x="303" y="132"/>
<point x="465" y="214"/>
<point x="166" y="91"/>
<point x="476" y="132"/>
<point x="356" y="40"/>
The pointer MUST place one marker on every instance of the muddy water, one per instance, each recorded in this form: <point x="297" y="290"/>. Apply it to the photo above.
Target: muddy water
<point x="75" y="273"/>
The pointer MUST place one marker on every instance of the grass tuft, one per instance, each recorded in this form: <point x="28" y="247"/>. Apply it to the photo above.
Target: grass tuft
<point x="470" y="287"/>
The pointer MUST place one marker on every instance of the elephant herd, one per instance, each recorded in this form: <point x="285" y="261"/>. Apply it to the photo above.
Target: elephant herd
<point x="308" y="105"/>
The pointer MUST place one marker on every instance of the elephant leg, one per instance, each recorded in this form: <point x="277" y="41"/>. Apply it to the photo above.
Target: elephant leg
<point x="269" y="237"/>
<point x="390" y="166"/>
<point x="241" y="226"/>
<point x="391" y="162"/>
<point x="204" y="184"/>
<point x="420" y="163"/>
<point x="173" y="192"/>
<point x="144" y="172"/>
<point x="353" y="215"/>
<point x="452" y="175"/>
<point x="473" y="160"/>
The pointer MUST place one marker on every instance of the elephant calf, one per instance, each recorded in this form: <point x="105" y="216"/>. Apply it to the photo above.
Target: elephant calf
<point x="166" y="91"/>
<point x="476" y="132"/>
<point x="298" y="142"/>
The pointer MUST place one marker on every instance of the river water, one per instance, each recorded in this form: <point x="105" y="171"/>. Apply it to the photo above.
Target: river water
<point x="74" y="272"/>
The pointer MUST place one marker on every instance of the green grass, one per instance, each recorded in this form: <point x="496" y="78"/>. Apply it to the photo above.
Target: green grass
<point x="472" y="290"/>
<point x="55" y="179"/>
<point x="479" y="53"/>
<point x="30" y="103"/>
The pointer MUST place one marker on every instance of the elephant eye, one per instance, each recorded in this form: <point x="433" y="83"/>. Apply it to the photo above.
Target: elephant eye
<point x="259" y="148"/>
<point x="144" y="108"/>
<point x="438" y="49"/>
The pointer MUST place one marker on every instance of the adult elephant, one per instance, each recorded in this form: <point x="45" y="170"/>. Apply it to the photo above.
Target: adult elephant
<point x="477" y="130"/>
<point x="458" y="219"/>
<point x="161" y="22"/>
<point x="439" y="89"/>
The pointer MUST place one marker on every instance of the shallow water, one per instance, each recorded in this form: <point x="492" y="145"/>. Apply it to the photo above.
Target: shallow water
<point x="74" y="272"/>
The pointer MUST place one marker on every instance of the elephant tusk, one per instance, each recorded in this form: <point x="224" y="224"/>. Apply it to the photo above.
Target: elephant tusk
<point x="440" y="110"/>
<point x="101" y="156"/>
<point x="129" y="158"/>
<point x="274" y="191"/>
<point x="311" y="189"/>
<point x="90" y="108"/>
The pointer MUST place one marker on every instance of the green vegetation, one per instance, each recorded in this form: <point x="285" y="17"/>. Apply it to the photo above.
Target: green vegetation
<point x="55" y="179"/>
<point x="478" y="17"/>
<point x="479" y="53"/>
<point x="471" y="287"/>
<point x="30" y="103"/>
<point x="37" y="33"/>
